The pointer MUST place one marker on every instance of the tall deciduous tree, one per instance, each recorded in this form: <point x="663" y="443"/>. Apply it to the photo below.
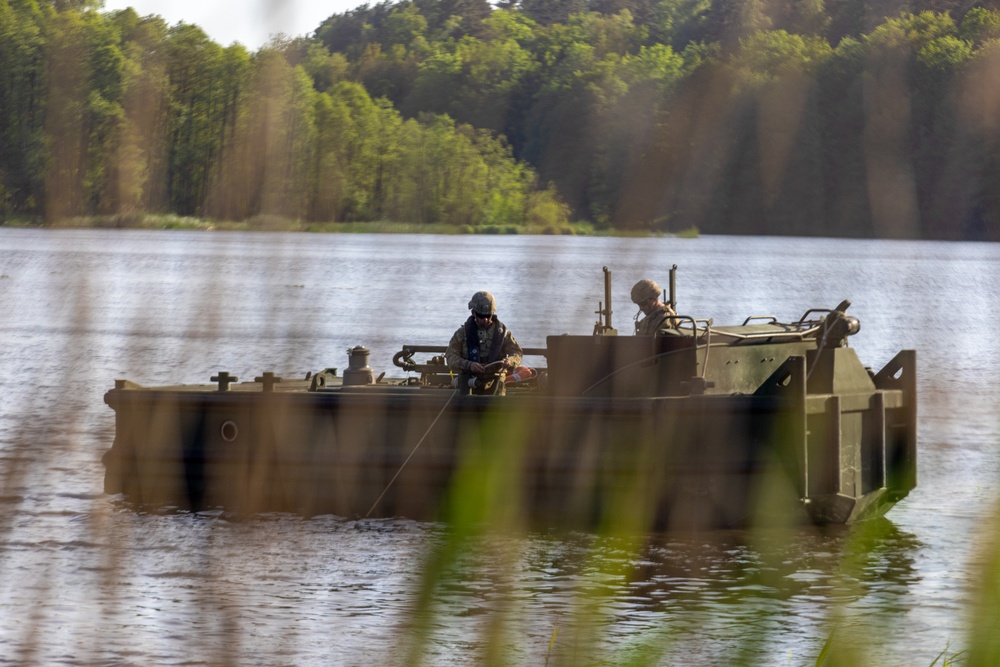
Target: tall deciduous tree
<point x="140" y="169"/>
<point x="66" y="117"/>
<point x="23" y="96"/>
<point x="206" y="85"/>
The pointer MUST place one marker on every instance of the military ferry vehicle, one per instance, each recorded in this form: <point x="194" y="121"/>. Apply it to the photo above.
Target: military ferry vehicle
<point x="701" y="426"/>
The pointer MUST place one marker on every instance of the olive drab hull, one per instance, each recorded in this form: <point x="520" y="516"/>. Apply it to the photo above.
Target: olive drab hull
<point x="700" y="427"/>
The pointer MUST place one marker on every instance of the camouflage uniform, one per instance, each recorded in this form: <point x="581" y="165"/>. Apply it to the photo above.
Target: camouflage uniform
<point x="661" y="315"/>
<point x="495" y="343"/>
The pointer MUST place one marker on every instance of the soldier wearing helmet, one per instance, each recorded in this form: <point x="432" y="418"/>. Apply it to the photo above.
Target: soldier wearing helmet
<point x="656" y="314"/>
<point x="483" y="349"/>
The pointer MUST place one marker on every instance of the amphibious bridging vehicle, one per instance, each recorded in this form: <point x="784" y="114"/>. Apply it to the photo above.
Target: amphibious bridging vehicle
<point x="703" y="426"/>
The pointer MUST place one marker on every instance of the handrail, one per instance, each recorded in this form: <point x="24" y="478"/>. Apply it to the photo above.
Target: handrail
<point x="773" y="334"/>
<point x="414" y="349"/>
<point x="771" y="319"/>
<point x="825" y="311"/>
<point x="697" y="328"/>
<point x="403" y="360"/>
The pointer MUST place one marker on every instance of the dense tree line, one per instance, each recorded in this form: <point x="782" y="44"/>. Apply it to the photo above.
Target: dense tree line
<point x="115" y="114"/>
<point x="843" y="117"/>
<point x="856" y="118"/>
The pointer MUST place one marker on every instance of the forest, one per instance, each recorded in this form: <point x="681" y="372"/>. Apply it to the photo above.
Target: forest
<point x="871" y="119"/>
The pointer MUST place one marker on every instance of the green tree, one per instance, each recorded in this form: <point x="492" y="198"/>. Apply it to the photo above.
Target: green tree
<point x="264" y="170"/>
<point x="23" y="98"/>
<point x="473" y="83"/>
<point x="388" y="73"/>
<point x="136" y="173"/>
<point x="327" y="179"/>
<point x="454" y="19"/>
<point x="104" y="116"/>
<point x="550" y="12"/>
<point x="349" y="33"/>
<point x="404" y="25"/>
<point x="325" y="68"/>
<point x="976" y="148"/>
<point x="679" y="22"/>
<point x="769" y="54"/>
<point x="207" y="82"/>
<point x="980" y="25"/>
<point x="65" y="119"/>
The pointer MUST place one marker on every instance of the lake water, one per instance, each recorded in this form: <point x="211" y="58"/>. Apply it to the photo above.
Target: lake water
<point x="85" y="580"/>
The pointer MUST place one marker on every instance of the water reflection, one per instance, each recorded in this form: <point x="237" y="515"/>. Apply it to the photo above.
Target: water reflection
<point x="87" y="581"/>
<point x="730" y="597"/>
<point x="779" y="566"/>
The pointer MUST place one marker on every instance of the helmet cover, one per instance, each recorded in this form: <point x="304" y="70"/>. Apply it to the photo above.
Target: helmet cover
<point x="483" y="302"/>
<point x="644" y="290"/>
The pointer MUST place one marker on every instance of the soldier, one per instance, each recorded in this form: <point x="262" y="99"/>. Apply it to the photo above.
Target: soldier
<point x="483" y="349"/>
<point x="658" y="315"/>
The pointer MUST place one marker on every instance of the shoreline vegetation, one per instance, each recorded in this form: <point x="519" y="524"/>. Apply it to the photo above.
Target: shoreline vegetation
<point x="280" y="224"/>
<point x="842" y="119"/>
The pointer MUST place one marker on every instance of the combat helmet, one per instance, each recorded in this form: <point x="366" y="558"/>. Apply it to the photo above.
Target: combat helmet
<point x="483" y="302"/>
<point x="644" y="290"/>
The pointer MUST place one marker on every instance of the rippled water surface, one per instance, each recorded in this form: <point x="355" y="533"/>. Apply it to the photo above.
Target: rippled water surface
<point x="84" y="579"/>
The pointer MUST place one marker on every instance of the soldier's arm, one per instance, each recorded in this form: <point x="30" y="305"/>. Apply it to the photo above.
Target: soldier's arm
<point x="512" y="351"/>
<point x="456" y="349"/>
